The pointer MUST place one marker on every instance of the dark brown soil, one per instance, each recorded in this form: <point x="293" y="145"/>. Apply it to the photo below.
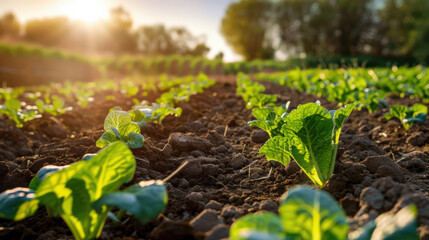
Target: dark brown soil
<point x="374" y="155"/>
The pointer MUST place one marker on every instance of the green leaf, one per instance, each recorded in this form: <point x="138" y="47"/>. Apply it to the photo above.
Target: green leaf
<point x="43" y="173"/>
<point x="144" y="201"/>
<point x="310" y="128"/>
<point x="13" y="104"/>
<point x="338" y="117"/>
<point x="277" y="149"/>
<point x="388" y="226"/>
<point x="261" y="113"/>
<point x="120" y="120"/>
<point x="141" y="116"/>
<point x="308" y="213"/>
<point x="134" y="140"/>
<point x="418" y="109"/>
<point x="106" y="139"/>
<point x="408" y="116"/>
<point x="252" y="226"/>
<point x="71" y="192"/>
<point x="18" y="203"/>
<point x="88" y="156"/>
<point x="398" y="111"/>
<point x="118" y="126"/>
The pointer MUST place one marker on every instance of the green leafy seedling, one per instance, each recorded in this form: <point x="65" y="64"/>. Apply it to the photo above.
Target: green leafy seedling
<point x="408" y="116"/>
<point x="310" y="136"/>
<point x="388" y="226"/>
<point x="55" y="109"/>
<point x="12" y="109"/>
<point x="119" y="127"/>
<point x="84" y="193"/>
<point x="311" y="214"/>
<point x="270" y="119"/>
<point x="305" y="213"/>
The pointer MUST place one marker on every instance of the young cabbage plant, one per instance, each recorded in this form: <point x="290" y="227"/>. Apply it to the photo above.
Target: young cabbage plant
<point x="55" y="109"/>
<point x="305" y="213"/>
<point x="119" y="127"/>
<point x="270" y="119"/>
<point x="247" y="88"/>
<point x="144" y="113"/>
<point x="84" y="193"/>
<point x="251" y="93"/>
<point x="261" y="100"/>
<point x="310" y="136"/>
<point x="408" y="115"/>
<point x="310" y="214"/>
<point x="12" y="109"/>
<point x="389" y="226"/>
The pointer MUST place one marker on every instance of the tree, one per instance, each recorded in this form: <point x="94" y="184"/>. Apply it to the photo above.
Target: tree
<point x="406" y="30"/>
<point x="121" y="38"/>
<point x="47" y="31"/>
<point x="323" y="27"/>
<point x="9" y="25"/>
<point x="159" y="40"/>
<point x="246" y="26"/>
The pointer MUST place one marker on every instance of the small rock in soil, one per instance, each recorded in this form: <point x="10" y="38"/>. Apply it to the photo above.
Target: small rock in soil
<point x="4" y="169"/>
<point x="275" y="164"/>
<point x="173" y="230"/>
<point x="220" y="231"/>
<point x="230" y="211"/>
<point x="193" y="169"/>
<point x="196" y="125"/>
<point x="385" y="184"/>
<point x="221" y="149"/>
<point x="205" y="221"/>
<point x="365" y="144"/>
<point x="39" y="163"/>
<point x="417" y="139"/>
<point x="8" y="156"/>
<point x="197" y="153"/>
<point x="292" y="168"/>
<point x="350" y="205"/>
<point x="259" y="136"/>
<point x="238" y="162"/>
<point x="182" y="142"/>
<point x="269" y="205"/>
<point x="195" y="196"/>
<point x="183" y="183"/>
<point x="354" y="172"/>
<point x="210" y="169"/>
<point x="384" y="166"/>
<point x="413" y="165"/>
<point x="212" y="204"/>
<point x="215" y="138"/>
<point x="55" y="131"/>
<point x="371" y="197"/>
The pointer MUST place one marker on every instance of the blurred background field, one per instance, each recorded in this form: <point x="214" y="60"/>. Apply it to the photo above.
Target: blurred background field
<point x="45" y="40"/>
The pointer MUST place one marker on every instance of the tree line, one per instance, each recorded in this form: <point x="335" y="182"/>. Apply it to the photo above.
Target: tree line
<point x="258" y="29"/>
<point x="115" y="35"/>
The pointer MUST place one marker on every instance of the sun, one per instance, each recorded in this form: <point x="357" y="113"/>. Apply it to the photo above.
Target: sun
<point x="85" y="10"/>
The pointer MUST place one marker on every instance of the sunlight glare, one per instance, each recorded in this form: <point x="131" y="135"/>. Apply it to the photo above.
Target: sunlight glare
<point x="85" y="10"/>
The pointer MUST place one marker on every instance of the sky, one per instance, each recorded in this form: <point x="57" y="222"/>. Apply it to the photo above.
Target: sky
<point x="201" y="17"/>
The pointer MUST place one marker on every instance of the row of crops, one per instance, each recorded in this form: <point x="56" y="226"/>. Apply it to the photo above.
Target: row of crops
<point x="86" y="193"/>
<point x="189" y="65"/>
<point x="22" y="105"/>
<point x="310" y="134"/>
